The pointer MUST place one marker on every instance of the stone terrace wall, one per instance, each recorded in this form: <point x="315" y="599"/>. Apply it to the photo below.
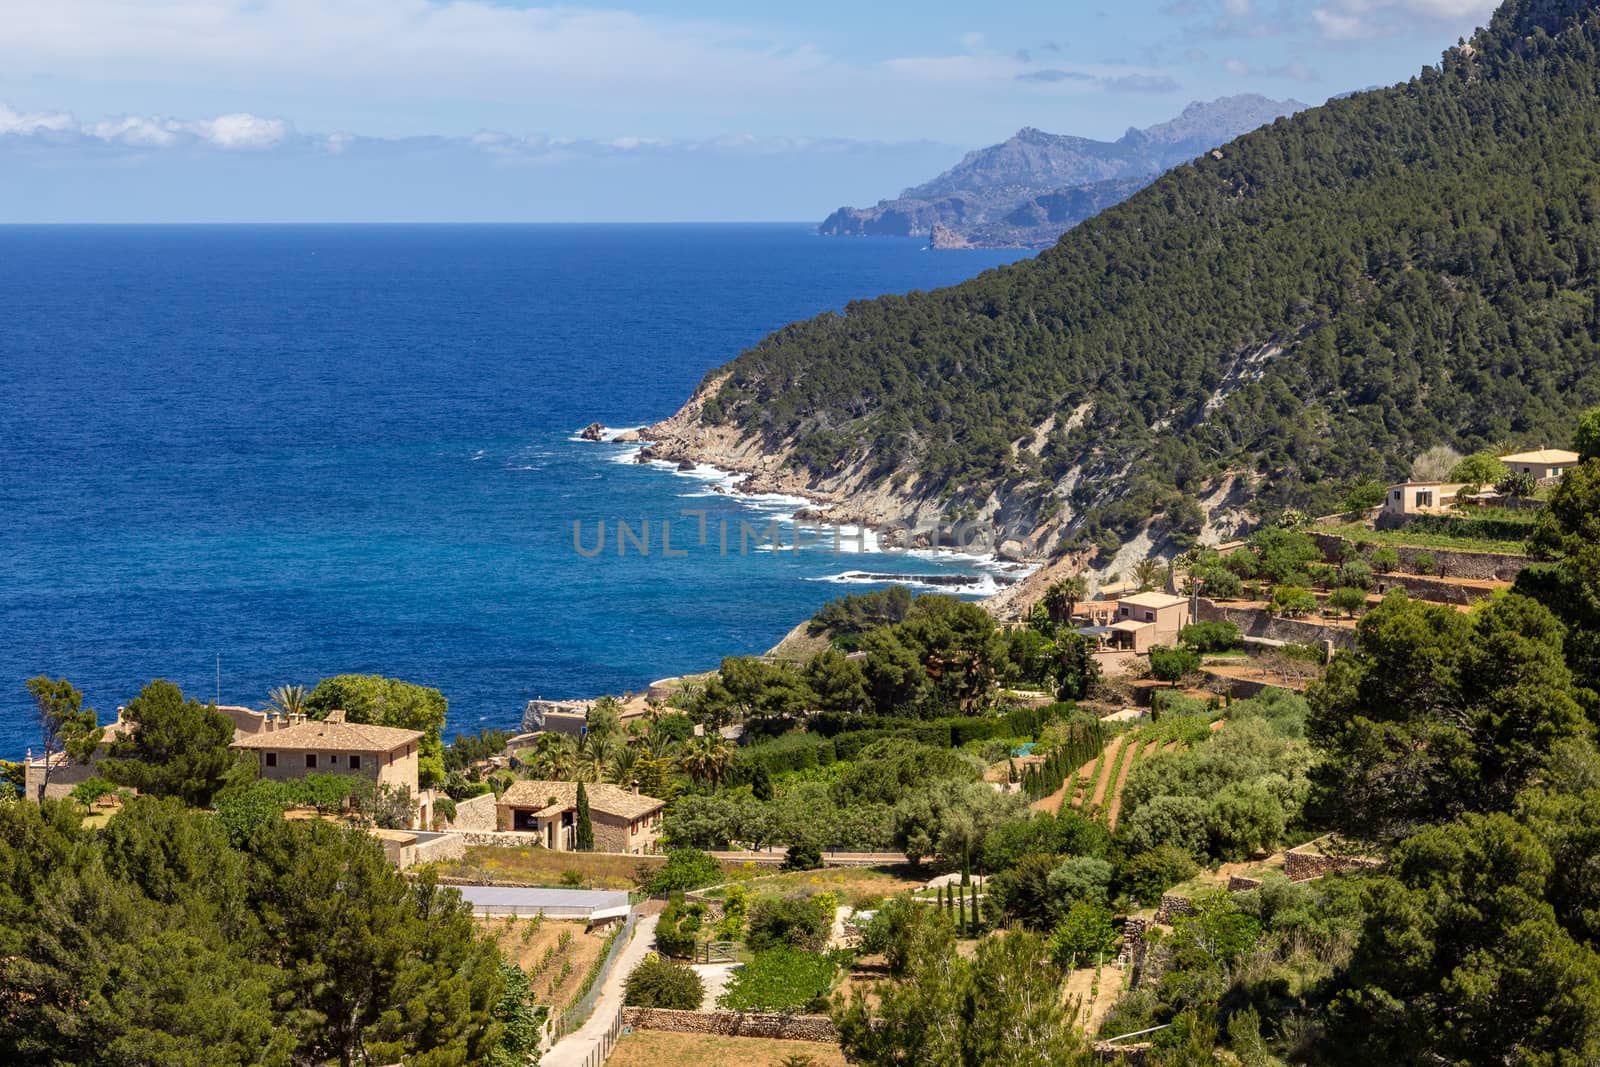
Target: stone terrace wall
<point x="475" y="814"/>
<point x="1303" y="866"/>
<point x="1253" y="622"/>
<point x="1437" y="590"/>
<point x="1496" y="566"/>
<point x="734" y="1023"/>
<point x="1172" y="905"/>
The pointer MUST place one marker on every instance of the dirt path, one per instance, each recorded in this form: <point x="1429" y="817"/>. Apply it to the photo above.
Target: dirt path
<point x="1052" y="803"/>
<point x="1122" y="780"/>
<point x="1079" y="985"/>
<point x="1104" y="783"/>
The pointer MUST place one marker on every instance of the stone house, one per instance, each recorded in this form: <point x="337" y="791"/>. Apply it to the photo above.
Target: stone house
<point x="387" y="755"/>
<point x="66" y="773"/>
<point x="623" y="821"/>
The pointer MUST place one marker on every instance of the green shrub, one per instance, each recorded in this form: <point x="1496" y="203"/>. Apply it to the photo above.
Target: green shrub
<point x="804" y="855"/>
<point x="660" y="983"/>
<point x="1211" y="636"/>
<point x="686" y="868"/>
<point x="677" y="928"/>
<point x="782" y="979"/>
<point x="796" y="922"/>
<point x="1171" y="664"/>
<point x="1149" y="874"/>
<point x="1084" y="934"/>
<point x="1293" y="601"/>
<point x="92" y="789"/>
<point x="1349" y="600"/>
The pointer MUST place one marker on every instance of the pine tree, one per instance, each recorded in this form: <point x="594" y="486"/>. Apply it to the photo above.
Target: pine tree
<point x="585" y="826"/>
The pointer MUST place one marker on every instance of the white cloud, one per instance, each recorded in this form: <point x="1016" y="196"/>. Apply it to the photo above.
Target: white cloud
<point x="243" y="131"/>
<point x="237" y="131"/>
<point x="1354" y="20"/>
<point x="1293" y="70"/>
<point x="23" y="123"/>
<point x="451" y="43"/>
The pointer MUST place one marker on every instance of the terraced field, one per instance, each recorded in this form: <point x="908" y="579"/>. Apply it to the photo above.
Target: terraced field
<point x="1096" y="787"/>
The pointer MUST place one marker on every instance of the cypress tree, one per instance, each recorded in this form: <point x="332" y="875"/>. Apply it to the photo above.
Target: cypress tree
<point x="585" y="826"/>
<point x="761" y="782"/>
<point x="961" y="925"/>
<point x="974" y="909"/>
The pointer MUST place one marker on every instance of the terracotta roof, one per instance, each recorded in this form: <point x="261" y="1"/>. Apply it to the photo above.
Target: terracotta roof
<point x="1555" y="456"/>
<point x="310" y="736"/>
<point x="1154" y="600"/>
<point x="603" y="797"/>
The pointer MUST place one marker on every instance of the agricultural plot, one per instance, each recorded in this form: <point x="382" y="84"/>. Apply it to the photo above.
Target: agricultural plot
<point x="1095" y="788"/>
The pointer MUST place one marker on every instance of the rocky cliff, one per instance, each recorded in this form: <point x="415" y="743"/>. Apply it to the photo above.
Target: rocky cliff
<point x="1028" y="190"/>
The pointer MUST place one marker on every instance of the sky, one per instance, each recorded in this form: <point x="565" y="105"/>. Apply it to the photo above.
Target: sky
<point x="648" y="110"/>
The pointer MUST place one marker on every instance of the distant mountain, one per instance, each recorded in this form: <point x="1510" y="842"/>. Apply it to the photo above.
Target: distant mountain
<point x="1026" y="191"/>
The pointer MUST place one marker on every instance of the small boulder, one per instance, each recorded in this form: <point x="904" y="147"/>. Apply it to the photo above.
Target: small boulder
<point x="1012" y="550"/>
<point x="686" y="464"/>
<point x="592" y="432"/>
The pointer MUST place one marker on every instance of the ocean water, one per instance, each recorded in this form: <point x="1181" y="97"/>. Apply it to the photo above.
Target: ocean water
<point x="312" y="450"/>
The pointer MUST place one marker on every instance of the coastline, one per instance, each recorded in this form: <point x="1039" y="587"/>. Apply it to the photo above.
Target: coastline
<point x="788" y="498"/>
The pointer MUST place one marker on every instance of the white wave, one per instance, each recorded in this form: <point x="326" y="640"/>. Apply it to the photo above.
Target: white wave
<point x="608" y="435"/>
<point x="983" y="586"/>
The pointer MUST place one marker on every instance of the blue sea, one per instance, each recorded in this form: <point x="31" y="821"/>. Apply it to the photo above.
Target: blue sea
<point x="301" y="451"/>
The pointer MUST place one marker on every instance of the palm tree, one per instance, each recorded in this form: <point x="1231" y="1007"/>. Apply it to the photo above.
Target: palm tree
<point x="287" y="700"/>
<point x="554" y="757"/>
<point x="706" y="759"/>
<point x="620" y="768"/>
<point x="1061" y="599"/>
<point x="1147" y="573"/>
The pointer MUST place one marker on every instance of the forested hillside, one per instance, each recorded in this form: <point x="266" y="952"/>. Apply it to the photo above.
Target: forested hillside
<point x="1313" y="305"/>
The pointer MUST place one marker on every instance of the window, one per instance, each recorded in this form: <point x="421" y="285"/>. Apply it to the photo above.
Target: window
<point x="1425" y="498"/>
<point x="1149" y="616"/>
<point x="272" y="759"/>
<point x="311" y="760"/>
<point x="1398" y="493"/>
<point x="355" y="763"/>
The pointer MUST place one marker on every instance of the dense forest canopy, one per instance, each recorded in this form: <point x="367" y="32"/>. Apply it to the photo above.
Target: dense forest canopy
<point x="1315" y="303"/>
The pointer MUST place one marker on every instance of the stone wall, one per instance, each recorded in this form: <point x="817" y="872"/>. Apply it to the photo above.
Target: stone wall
<point x="1304" y="865"/>
<point x="500" y="838"/>
<point x="441" y="848"/>
<point x="1132" y="952"/>
<point x="1437" y="590"/>
<point x="734" y="1023"/>
<point x="1173" y="905"/>
<point x="1113" y="664"/>
<point x="1484" y="565"/>
<point x="1238" y="883"/>
<point x="474" y="814"/>
<point x="1253" y="622"/>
